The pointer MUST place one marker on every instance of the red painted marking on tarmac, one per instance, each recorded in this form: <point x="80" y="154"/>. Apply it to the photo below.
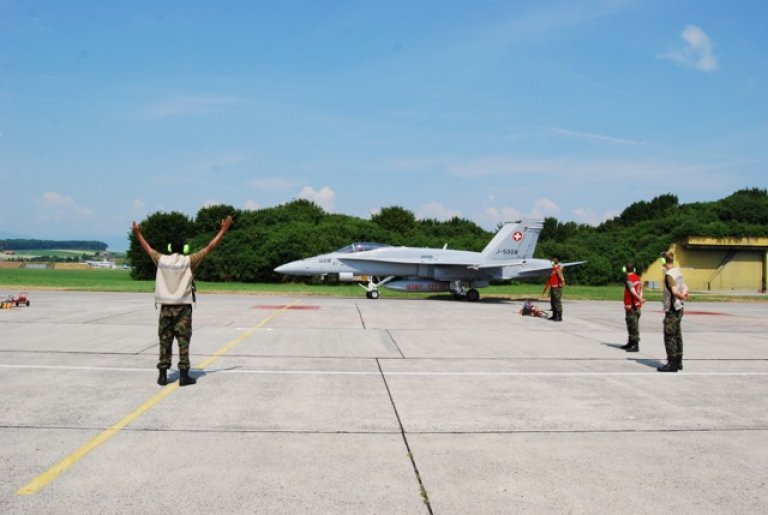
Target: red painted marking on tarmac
<point x="706" y="313"/>
<point x="284" y="306"/>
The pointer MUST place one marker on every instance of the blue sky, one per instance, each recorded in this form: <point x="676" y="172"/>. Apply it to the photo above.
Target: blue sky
<point x="488" y="110"/>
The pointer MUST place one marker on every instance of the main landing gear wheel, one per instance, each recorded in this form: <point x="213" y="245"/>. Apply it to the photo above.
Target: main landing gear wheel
<point x="473" y="295"/>
<point x="372" y="294"/>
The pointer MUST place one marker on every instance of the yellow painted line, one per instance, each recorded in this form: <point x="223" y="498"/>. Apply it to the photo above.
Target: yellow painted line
<point x="49" y="475"/>
<point x="52" y="473"/>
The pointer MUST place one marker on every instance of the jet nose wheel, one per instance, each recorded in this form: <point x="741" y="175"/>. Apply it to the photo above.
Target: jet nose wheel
<point x="372" y="294"/>
<point x="473" y="295"/>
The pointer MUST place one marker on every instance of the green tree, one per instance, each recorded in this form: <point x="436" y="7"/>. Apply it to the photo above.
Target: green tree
<point x="263" y="239"/>
<point x="749" y="206"/>
<point x="639" y="211"/>
<point x="209" y="218"/>
<point x="158" y="229"/>
<point x="396" y="220"/>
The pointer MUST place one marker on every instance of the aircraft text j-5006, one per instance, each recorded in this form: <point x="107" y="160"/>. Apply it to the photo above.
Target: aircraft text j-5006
<point x="507" y="252"/>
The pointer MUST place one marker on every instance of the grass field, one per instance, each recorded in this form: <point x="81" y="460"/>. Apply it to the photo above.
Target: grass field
<point x="17" y="279"/>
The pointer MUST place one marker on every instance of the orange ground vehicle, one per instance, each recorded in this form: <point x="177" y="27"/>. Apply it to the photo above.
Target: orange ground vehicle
<point x="22" y="299"/>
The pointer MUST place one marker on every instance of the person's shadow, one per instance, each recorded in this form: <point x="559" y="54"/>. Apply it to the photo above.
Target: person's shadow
<point x="197" y="373"/>
<point x="653" y="363"/>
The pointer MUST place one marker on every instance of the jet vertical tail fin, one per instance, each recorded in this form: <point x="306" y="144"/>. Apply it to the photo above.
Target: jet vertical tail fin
<point x="514" y="241"/>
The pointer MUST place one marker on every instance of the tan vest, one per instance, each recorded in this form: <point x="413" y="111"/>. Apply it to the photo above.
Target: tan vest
<point x="173" y="283"/>
<point x="668" y="300"/>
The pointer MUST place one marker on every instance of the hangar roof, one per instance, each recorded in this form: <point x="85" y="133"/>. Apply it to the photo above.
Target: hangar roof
<point x="750" y="243"/>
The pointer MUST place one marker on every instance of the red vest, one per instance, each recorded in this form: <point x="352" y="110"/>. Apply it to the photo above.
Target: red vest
<point x="554" y="278"/>
<point x="637" y="285"/>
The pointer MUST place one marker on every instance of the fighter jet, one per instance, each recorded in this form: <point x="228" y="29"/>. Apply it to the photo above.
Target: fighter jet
<point x="509" y="255"/>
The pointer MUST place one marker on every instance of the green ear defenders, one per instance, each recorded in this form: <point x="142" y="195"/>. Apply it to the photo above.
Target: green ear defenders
<point x="186" y="249"/>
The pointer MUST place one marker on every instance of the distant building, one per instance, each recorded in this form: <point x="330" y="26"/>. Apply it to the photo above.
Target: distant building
<point x="718" y="264"/>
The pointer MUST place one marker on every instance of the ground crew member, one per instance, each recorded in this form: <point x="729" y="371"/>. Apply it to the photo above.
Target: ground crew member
<point x="555" y="285"/>
<point x="633" y="303"/>
<point x="174" y="292"/>
<point x="675" y="293"/>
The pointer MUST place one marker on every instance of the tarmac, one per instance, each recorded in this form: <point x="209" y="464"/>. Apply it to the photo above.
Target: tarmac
<point x="349" y="405"/>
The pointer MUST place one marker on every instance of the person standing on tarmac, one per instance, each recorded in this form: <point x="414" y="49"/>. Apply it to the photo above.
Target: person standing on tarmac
<point x="555" y="284"/>
<point x="633" y="303"/>
<point x="675" y="293"/>
<point x="174" y="291"/>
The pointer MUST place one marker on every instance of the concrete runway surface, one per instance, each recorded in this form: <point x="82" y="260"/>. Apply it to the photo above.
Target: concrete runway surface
<point x="349" y="405"/>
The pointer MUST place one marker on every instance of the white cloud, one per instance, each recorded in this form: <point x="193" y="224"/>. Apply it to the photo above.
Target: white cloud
<point x="492" y="215"/>
<point x="698" y="51"/>
<point x="436" y="211"/>
<point x="543" y="208"/>
<point x="211" y="203"/>
<point x="325" y="198"/>
<point x="588" y="216"/>
<point x="250" y="205"/>
<point x="57" y="206"/>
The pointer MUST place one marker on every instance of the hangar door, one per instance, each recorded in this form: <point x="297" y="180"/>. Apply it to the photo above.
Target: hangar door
<point x="733" y="270"/>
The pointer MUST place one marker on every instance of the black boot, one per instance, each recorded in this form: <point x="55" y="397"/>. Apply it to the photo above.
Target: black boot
<point x="626" y="346"/>
<point x="185" y="378"/>
<point x="680" y="362"/>
<point x="671" y="366"/>
<point x="162" y="377"/>
<point x="632" y="348"/>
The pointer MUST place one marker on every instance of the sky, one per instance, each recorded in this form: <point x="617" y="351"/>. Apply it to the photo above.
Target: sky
<point x="487" y="110"/>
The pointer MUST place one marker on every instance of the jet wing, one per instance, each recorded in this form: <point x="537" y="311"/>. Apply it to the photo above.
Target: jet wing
<point x="521" y="262"/>
<point x="573" y="263"/>
<point x="497" y="264"/>
<point x="539" y="270"/>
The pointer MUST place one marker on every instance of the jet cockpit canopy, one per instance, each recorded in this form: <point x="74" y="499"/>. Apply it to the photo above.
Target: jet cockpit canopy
<point x="361" y="246"/>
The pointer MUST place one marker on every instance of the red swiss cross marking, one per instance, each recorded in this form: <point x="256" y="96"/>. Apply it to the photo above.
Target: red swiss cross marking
<point x="517" y="236"/>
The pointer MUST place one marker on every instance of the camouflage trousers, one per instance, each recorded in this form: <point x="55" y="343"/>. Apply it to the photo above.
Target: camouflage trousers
<point x="673" y="334"/>
<point x="632" y="318"/>
<point x="175" y="322"/>
<point x="556" y="302"/>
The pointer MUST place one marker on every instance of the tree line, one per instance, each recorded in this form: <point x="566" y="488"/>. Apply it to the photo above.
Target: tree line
<point x="22" y="244"/>
<point x="263" y="239"/>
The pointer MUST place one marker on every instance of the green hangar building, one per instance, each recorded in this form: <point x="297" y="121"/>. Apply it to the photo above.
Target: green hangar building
<point x="718" y="264"/>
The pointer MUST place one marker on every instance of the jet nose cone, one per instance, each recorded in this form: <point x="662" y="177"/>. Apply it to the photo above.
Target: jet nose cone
<point x="292" y="268"/>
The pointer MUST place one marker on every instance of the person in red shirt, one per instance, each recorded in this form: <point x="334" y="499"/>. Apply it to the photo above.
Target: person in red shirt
<point x="633" y="304"/>
<point x="555" y="285"/>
